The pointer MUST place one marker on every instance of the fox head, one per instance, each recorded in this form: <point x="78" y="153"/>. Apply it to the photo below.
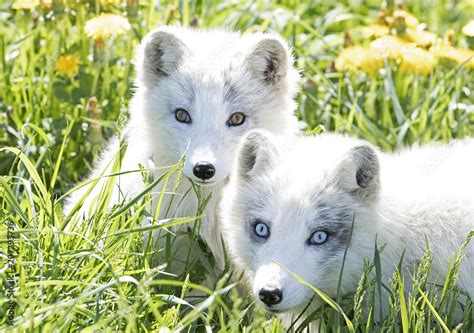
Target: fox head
<point x="199" y="92"/>
<point x="289" y="207"/>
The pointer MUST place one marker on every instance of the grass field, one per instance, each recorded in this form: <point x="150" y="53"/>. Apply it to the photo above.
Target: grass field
<point x="63" y="93"/>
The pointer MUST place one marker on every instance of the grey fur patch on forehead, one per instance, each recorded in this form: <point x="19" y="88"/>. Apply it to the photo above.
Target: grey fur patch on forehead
<point x="232" y="95"/>
<point x="238" y="96"/>
<point x="188" y="90"/>
<point x="254" y="203"/>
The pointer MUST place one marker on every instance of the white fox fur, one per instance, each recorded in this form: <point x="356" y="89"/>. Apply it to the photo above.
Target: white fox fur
<point x="211" y="75"/>
<point x="323" y="183"/>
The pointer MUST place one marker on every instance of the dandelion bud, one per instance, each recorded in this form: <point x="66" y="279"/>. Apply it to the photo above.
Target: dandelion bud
<point x="194" y="21"/>
<point x="399" y="23"/>
<point x="92" y="108"/>
<point x="450" y="35"/>
<point x="132" y="8"/>
<point x="347" y="39"/>
<point x="382" y="16"/>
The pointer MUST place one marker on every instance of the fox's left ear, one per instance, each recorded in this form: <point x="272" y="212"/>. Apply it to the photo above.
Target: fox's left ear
<point x="268" y="60"/>
<point x="359" y="172"/>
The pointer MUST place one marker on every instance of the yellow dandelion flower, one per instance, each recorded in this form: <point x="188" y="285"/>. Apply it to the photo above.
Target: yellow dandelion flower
<point x="375" y="31"/>
<point x="105" y="26"/>
<point x="389" y="46"/>
<point x="409" y="57"/>
<point x="25" y="4"/>
<point x="68" y="65"/>
<point x="358" y="58"/>
<point x="468" y="29"/>
<point x="420" y="38"/>
<point x="450" y="53"/>
<point x="416" y="60"/>
<point x="410" y="20"/>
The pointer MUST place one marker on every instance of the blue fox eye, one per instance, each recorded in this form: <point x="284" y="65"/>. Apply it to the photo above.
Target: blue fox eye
<point x="261" y="230"/>
<point x="318" y="237"/>
<point x="182" y="116"/>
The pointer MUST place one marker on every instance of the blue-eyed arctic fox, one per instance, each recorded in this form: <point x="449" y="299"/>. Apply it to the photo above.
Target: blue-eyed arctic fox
<point x="294" y="203"/>
<point x="197" y="93"/>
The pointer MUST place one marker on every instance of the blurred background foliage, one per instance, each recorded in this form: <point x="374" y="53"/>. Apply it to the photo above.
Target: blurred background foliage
<point x="71" y="62"/>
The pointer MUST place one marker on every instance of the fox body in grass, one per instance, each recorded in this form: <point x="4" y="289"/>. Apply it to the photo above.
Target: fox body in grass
<point x="197" y="93"/>
<point x="293" y="203"/>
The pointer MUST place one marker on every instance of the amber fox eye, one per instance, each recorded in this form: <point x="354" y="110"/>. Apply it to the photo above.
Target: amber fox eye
<point x="236" y="119"/>
<point x="182" y="116"/>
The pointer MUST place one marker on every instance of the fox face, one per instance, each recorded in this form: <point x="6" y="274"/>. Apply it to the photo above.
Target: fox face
<point x="289" y="209"/>
<point x="199" y="92"/>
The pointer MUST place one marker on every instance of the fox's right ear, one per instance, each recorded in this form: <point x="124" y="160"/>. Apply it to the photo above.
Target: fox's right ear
<point x="159" y="55"/>
<point x="256" y="154"/>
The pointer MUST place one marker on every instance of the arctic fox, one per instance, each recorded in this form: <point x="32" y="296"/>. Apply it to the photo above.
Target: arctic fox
<point x="293" y="204"/>
<point x="197" y="93"/>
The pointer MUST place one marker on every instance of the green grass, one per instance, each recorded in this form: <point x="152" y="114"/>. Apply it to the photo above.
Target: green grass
<point x="98" y="277"/>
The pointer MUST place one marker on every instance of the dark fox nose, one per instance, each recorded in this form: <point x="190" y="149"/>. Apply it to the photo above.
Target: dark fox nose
<point x="270" y="296"/>
<point x="204" y="170"/>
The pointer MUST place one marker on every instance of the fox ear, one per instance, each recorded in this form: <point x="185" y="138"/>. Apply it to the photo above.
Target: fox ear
<point x="359" y="171"/>
<point x="159" y="55"/>
<point x="268" y="61"/>
<point x="256" y="154"/>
